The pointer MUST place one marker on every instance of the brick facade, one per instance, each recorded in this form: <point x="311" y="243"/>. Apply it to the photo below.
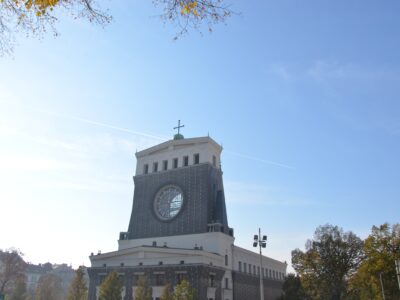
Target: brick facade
<point x="197" y="275"/>
<point x="201" y="184"/>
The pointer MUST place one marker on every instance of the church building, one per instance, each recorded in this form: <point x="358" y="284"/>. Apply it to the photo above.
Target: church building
<point x="179" y="229"/>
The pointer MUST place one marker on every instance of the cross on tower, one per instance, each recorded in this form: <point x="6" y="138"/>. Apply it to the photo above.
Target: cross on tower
<point x="179" y="126"/>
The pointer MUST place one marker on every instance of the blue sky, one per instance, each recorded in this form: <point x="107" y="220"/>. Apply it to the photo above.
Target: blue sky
<point x="303" y="96"/>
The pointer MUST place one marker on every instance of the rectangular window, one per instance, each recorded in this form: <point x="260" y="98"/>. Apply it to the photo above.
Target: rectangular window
<point x="226" y="260"/>
<point x="211" y="280"/>
<point x="249" y="268"/>
<point x="175" y="164"/>
<point x="214" y="161"/>
<point x="254" y="269"/>
<point x="180" y="277"/>
<point x="226" y="283"/>
<point x="139" y="277"/>
<point x="145" y="169"/>
<point x="258" y="271"/>
<point x="196" y="159"/>
<point x="240" y="266"/>
<point x="165" y="165"/>
<point x="244" y="267"/>
<point x="160" y="280"/>
<point x="155" y="167"/>
<point x="185" y="161"/>
<point x="270" y="273"/>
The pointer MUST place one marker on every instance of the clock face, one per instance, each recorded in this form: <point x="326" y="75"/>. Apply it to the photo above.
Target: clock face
<point x="168" y="202"/>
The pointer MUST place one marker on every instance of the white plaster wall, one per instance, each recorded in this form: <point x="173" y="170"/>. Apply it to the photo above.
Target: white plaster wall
<point x="249" y="257"/>
<point x="227" y="292"/>
<point x="153" y="259"/>
<point x="205" y="147"/>
<point x="214" y="242"/>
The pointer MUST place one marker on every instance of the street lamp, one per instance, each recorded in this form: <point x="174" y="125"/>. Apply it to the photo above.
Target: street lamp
<point x="261" y="243"/>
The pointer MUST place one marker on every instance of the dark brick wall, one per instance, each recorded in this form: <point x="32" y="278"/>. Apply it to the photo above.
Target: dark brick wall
<point x="199" y="184"/>
<point x="246" y="287"/>
<point x="197" y="275"/>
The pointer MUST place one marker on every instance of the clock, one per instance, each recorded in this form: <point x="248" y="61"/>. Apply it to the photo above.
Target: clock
<point x="168" y="202"/>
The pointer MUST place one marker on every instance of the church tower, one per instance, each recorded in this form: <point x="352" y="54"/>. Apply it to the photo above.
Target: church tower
<point x="178" y="190"/>
<point x="179" y="229"/>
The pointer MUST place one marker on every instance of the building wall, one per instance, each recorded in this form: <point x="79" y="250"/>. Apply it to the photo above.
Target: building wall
<point x="197" y="275"/>
<point x="153" y="256"/>
<point x="199" y="184"/>
<point x="273" y="269"/>
<point x="205" y="147"/>
<point x="240" y="286"/>
<point x="247" y="287"/>
<point x="214" y="242"/>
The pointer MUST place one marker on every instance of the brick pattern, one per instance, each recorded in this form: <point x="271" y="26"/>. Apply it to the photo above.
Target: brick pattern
<point x="197" y="275"/>
<point x="247" y="287"/>
<point x="199" y="184"/>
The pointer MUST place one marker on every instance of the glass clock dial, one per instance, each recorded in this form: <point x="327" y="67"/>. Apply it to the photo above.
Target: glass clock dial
<point x="168" y="202"/>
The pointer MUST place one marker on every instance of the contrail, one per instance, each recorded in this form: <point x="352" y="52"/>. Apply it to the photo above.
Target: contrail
<point x="104" y="125"/>
<point x="100" y="124"/>
<point x="119" y="128"/>
<point x="273" y="163"/>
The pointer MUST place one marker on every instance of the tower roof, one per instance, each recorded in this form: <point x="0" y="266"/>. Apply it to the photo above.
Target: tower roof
<point x="179" y="143"/>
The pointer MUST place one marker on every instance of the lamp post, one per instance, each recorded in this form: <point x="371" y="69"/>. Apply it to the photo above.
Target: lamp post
<point x="261" y="243"/>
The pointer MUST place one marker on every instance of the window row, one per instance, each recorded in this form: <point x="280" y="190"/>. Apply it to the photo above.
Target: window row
<point x="160" y="279"/>
<point x="160" y="263"/>
<point x="255" y="270"/>
<point x="175" y="164"/>
<point x="155" y="279"/>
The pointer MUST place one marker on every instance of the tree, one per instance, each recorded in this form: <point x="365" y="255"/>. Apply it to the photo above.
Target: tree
<point x="12" y="268"/>
<point x="36" y="16"/>
<point x="292" y="288"/>
<point x="111" y="287"/>
<point x="20" y="292"/>
<point x="194" y="14"/>
<point x="183" y="291"/>
<point x="78" y="288"/>
<point x="330" y="259"/>
<point x="143" y="290"/>
<point x="49" y="288"/>
<point x="167" y="293"/>
<point x="381" y="248"/>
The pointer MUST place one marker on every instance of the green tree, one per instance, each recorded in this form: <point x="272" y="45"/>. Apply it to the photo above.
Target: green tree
<point x="167" y="293"/>
<point x="183" y="291"/>
<point x="49" y="288"/>
<point x="329" y="260"/>
<point x="292" y="288"/>
<point x="20" y="292"/>
<point x="381" y="248"/>
<point x="78" y="288"/>
<point x="111" y="287"/>
<point x="143" y="291"/>
<point x="12" y="268"/>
